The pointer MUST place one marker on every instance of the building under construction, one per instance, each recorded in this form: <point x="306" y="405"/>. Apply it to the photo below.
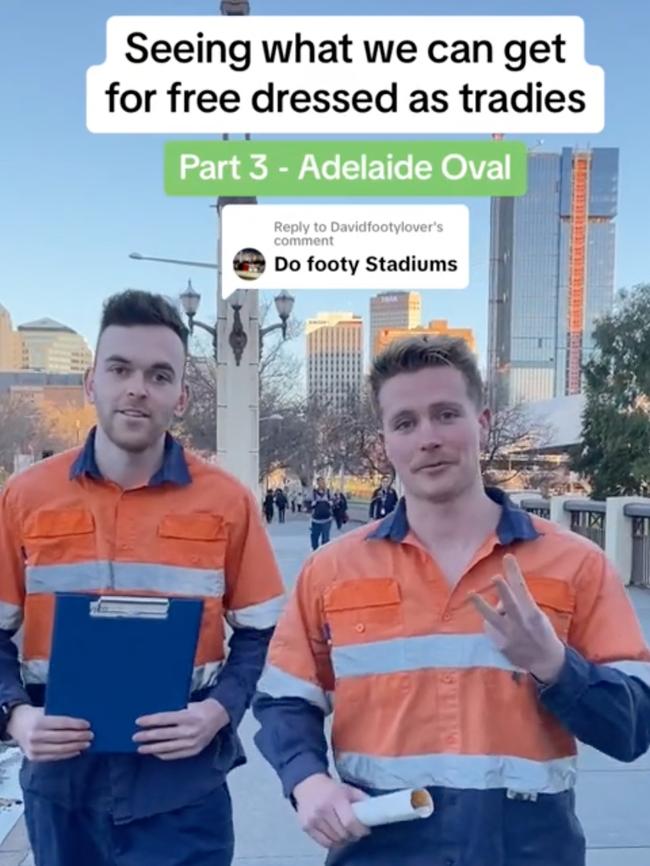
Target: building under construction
<point x="551" y="274"/>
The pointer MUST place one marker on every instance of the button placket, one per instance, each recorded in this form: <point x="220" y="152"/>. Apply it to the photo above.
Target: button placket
<point x="449" y="710"/>
<point x="127" y="528"/>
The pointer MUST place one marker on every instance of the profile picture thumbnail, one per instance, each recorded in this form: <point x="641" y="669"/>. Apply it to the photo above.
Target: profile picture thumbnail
<point x="249" y="264"/>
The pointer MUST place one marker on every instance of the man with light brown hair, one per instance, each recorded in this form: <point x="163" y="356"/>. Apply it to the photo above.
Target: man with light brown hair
<point x="464" y="644"/>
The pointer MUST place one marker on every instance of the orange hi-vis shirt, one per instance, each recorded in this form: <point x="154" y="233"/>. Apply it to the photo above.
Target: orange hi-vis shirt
<point x="193" y="531"/>
<point x="420" y="694"/>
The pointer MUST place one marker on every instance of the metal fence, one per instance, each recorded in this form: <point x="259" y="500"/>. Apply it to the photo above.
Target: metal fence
<point x="639" y="515"/>
<point x="588" y="519"/>
<point x="540" y="507"/>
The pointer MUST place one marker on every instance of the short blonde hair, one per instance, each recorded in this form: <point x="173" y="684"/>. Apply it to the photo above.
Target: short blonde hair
<point x="423" y="352"/>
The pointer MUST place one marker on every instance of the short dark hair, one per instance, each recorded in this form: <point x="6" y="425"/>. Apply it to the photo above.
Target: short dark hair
<point x="422" y="352"/>
<point x="134" y="307"/>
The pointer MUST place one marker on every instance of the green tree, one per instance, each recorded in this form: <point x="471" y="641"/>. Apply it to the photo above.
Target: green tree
<point x="615" y="452"/>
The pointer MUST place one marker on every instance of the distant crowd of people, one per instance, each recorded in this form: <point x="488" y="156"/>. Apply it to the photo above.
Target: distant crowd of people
<point x="326" y="507"/>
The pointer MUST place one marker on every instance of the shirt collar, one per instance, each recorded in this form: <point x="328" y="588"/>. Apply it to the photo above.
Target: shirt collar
<point x="515" y="524"/>
<point x="174" y="469"/>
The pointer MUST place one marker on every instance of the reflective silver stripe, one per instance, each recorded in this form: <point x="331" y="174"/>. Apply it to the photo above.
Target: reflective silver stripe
<point x="278" y="684"/>
<point x="102" y="574"/>
<point x="416" y="653"/>
<point x="11" y="616"/>
<point x="67" y="578"/>
<point x="640" y="670"/>
<point x="262" y="615"/>
<point x="35" y="671"/>
<point x="205" y="676"/>
<point x="459" y="771"/>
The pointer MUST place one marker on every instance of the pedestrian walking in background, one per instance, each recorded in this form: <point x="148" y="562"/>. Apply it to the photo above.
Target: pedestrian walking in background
<point x="269" y="506"/>
<point x="383" y="500"/>
<point x="281" y="503"/>
<point x="340" y="509"/>
<point x="321" y="514"/>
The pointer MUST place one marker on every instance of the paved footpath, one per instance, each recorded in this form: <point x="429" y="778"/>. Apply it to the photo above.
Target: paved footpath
<point x="613" y="798"/>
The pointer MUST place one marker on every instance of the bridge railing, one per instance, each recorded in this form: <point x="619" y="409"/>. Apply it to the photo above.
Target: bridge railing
<point x="620" y="526"/>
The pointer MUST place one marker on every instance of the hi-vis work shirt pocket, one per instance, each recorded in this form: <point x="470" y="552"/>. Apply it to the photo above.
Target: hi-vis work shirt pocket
<point x="194" y="544"/>
<point x="193" y="527"/>
<point x="198" y="540"/>
<point x="59" y="535"/>
<point x="556" y="599"/>
<point x="363" y="611"/>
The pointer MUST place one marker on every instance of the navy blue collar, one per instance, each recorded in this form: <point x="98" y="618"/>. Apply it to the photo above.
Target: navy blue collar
<point x="515" y="524"/>
<point x="174" y="469"/>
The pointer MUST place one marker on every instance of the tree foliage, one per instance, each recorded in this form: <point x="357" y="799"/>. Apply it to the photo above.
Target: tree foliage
<point x="24" y="429"/>
<point x="69" y="425"/>
<point x="615" y="451"/>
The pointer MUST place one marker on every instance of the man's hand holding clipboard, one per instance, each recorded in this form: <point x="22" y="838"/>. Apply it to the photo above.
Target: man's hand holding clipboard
<point x="181" y="734"/>
<point x="48" y="738"/>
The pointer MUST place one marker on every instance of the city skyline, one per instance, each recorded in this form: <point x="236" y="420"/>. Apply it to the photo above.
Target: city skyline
<point x="76" y="215"/>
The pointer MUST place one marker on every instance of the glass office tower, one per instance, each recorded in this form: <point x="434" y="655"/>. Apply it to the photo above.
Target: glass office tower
<point x="551" y="274"/>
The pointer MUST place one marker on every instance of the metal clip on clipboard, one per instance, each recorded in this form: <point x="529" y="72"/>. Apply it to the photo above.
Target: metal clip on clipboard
<point x="129" y="607"/>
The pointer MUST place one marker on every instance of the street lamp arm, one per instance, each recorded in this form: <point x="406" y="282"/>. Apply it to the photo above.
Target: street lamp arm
<point x="139" y="257"/>
<point x="198" y="324"/>
<point x="270" y="328"/>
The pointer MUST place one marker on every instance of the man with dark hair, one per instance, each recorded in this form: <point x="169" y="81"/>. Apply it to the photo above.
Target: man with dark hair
<point x="130" y="513"/>
<point x="134" y="307"/>
<point x="464" y="645"/>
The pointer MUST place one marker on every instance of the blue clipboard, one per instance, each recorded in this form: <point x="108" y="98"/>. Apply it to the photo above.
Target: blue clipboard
<point x="116" y="658"/>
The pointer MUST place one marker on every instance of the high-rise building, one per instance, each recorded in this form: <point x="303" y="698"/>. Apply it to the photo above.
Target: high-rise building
<point x="334" y="358"/>
<point x="53" y="348"/>
<point x="393" y="310"/>
<point x="10" y="344"/>
<point x="435" y="328"/>
<point x="551" y="274"/>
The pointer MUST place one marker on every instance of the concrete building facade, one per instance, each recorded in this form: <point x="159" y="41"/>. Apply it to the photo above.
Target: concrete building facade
<point x="334" y="358"/>
<point x="393" y="310"/>
<point x="51" y="347"/>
